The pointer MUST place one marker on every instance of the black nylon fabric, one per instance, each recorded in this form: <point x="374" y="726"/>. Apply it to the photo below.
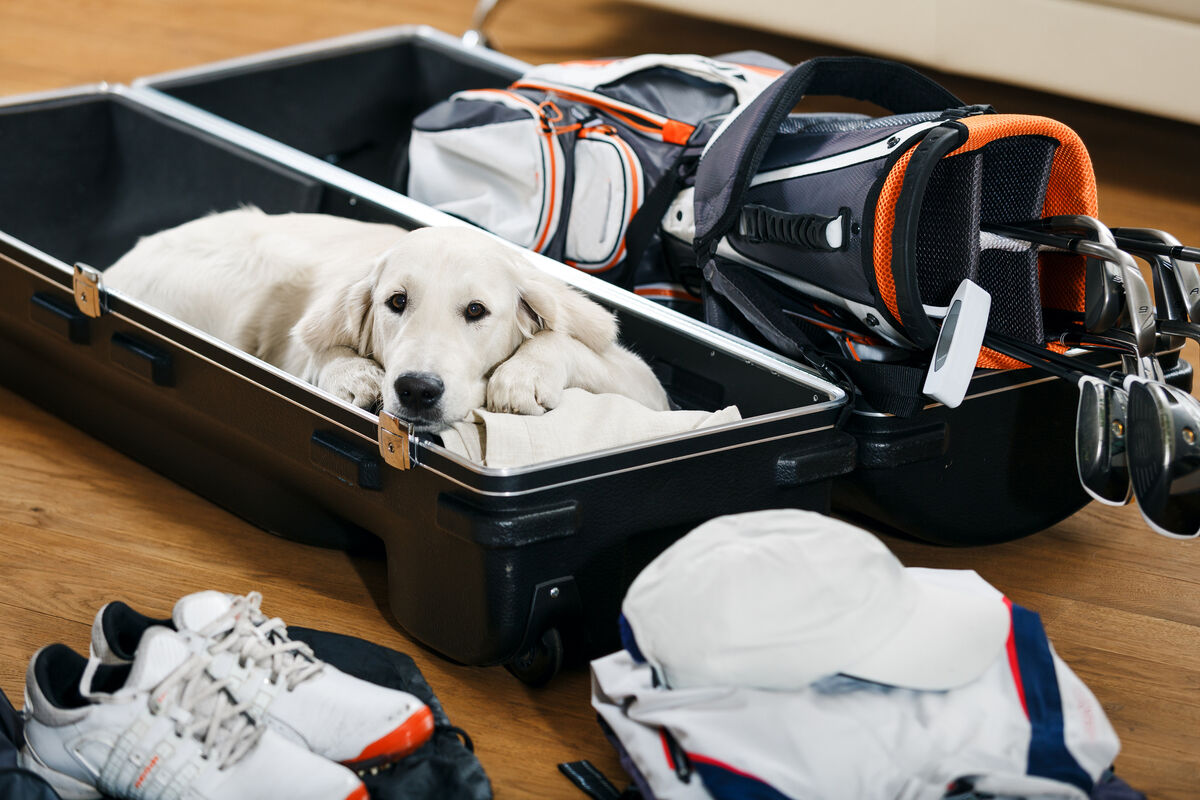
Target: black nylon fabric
<point x="947" y="248"/>
<point x="827" y="194"/>
<point x="19" y="784"/>
<point x="1011" y="278"/>
<point x="16" y="783"/>
<point x="725" y="171"/>
<point x="444" y="769"/>
<point x="10" y="733"/>
<point x="673" y="94"/>
<point x="466" y="114"/>
<point x="935" y="144"/>
<point x="1017" y="173"/>
<point x="891" y="388"/>
<point x="813" y="139"/>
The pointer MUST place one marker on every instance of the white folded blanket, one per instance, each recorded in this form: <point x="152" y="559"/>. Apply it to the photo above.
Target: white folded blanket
<point x="583" y="422"/>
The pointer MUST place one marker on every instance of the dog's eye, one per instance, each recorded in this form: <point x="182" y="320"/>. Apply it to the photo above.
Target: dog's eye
<point x="398" y="302"/>
<point x="475" y="311"/>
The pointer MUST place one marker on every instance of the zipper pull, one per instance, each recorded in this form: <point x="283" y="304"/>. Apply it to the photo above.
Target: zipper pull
<point x="550" y="114"/>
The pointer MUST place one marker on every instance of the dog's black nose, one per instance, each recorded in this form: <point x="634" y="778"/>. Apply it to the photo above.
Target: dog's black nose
<point x="419" y="391"/>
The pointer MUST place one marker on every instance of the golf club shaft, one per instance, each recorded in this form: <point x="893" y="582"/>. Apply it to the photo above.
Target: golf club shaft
<point x="1049" y="361"/>
<point x="1179" y="251"/>
<point x="1060" y="241"/>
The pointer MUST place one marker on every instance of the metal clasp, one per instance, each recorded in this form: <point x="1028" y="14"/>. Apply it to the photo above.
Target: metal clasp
<point x="394" y="436"/>
<point x="89" y="294"/>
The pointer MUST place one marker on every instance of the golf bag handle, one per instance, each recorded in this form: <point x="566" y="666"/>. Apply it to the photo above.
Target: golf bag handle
<point x="736" y="152"/>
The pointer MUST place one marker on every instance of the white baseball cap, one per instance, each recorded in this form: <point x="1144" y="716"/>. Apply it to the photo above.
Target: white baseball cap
<point x="779" y="599"/>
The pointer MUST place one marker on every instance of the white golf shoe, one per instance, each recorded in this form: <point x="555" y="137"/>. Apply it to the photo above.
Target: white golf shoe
<point x="161" y="728"/>
<point x="333" y="714"/>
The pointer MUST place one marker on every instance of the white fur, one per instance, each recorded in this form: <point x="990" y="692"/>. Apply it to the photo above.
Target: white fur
<point x="310" y="294"/>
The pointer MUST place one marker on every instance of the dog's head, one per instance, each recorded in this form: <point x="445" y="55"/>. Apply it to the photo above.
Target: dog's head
<point x="440" y="311"/>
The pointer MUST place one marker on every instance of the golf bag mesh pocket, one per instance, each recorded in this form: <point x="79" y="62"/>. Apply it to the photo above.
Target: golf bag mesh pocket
<point x="947" y="247"/>
<point x="1003" y="181"/>
<point x="1011" y="278"/>
<point x="1016" y="172"/>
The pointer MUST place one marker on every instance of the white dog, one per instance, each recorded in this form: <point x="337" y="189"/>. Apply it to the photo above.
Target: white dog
<point x="431" y="324"/>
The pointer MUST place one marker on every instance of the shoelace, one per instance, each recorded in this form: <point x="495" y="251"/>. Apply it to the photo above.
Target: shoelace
<point x="245" y="631"/>
<point x="202" y="708"/>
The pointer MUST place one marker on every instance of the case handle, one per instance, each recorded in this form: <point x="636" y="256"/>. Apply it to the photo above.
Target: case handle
<point x="59" y="316"/>
<point x="346" y="461"/>
<point x="142" y="359"/>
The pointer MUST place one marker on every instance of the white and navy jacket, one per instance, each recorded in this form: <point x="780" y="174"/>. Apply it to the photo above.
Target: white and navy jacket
<point x="1028" y="727"/>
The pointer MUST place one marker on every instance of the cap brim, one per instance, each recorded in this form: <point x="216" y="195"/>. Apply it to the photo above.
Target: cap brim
<point x="949" y="640"/>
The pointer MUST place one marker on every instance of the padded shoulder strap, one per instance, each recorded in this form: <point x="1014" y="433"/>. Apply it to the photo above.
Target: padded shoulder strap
<point x="737" y="150"/>
<point x="891" y="388"/>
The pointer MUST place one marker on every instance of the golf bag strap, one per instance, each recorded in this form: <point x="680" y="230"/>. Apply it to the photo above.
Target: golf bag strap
<point x="902" y="270"/>
<point x="648" y="218"/>
<point x="589" y="780"/>
<point x="891" y="388"/>
<point x="735" y="154"/>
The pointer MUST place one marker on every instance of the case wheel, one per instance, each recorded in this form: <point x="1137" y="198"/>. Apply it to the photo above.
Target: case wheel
<point x="541" y="662"/>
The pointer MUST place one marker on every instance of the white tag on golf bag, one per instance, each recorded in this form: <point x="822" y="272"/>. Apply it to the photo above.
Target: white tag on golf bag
<point x="958" y="344"/>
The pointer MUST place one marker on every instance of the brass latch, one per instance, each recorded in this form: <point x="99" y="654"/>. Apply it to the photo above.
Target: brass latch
<point x="394" y="434"/>
<point x="89" y="295"/>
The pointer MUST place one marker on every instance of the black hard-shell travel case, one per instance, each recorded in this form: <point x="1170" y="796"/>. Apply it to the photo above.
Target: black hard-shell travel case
<point x="998" y="467"/>
<point x="485" y="565"/>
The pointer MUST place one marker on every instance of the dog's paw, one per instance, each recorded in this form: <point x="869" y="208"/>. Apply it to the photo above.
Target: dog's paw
<point x="356" y="380"/>
<point x="520" y="386"/>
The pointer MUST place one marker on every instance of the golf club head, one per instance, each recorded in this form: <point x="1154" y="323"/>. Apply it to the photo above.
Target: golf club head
<point x="1184" y="274"/>
<point x="1164" y="457"/>
<point x="1100" y="449"/>
<point x="1104" y="298"/>
<point x="1116" y="266"/>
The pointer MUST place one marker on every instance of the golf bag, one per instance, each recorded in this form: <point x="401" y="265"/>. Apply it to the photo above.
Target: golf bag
<point x="580" y="160"/>
<point x="842" y="238"/>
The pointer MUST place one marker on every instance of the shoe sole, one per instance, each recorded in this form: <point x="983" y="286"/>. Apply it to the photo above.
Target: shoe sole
<point x="401" y="742"/>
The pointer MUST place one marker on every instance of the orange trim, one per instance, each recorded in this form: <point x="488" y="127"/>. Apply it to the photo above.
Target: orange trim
<point x="670" y="130"/>
<point x="676" y="132"/>
<point x="359" y="794"/>
<point x="1071" y="189"/>
<point x="858" y="337"/>
<point x="853" y="352"/>
<point x="552" y="185"/>
<point x="635" y="187"/>
<point x="670" y="294"/>
<point x="885" y="221"/>
<point x="990" y="359"/>
<point x="1072" y="185"/>
<point x="414" y="732"/>
<point x="145" y="772"/>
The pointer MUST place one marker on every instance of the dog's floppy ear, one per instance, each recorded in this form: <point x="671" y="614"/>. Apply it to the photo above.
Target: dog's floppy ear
<point x="550" y="304"/>
<point x="341" y="316"/>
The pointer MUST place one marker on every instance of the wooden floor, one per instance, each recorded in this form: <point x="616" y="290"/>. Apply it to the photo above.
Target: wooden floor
<point x="80" y="524"/>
